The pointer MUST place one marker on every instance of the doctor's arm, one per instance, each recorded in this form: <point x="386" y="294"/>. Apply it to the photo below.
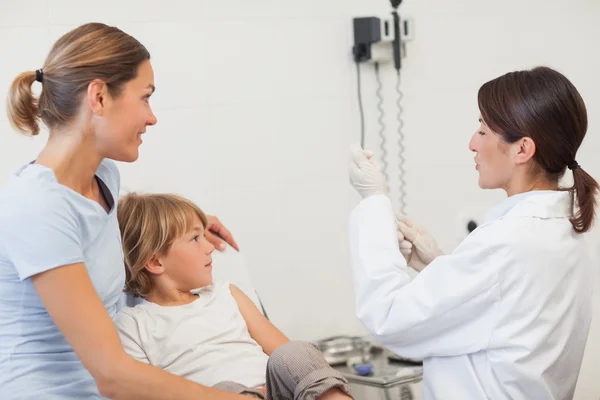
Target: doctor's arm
<point x="450" y="308"/>
<point x="71" y="300"/>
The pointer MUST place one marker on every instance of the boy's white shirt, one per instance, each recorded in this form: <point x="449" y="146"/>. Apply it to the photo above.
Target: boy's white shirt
<point x="206" y="341"/>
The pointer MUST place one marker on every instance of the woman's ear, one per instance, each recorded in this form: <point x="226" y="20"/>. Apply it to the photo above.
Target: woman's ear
<point x="154" y="266"/>
<point x="525" y="150"/>
<point x="97" y="95"/>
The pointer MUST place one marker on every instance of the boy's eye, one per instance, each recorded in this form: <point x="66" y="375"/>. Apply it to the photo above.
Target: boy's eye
<point x="195" y="238"/>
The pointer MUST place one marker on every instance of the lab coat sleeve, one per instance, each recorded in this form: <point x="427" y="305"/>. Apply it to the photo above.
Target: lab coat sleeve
<point x="130" y="336"/>
<point x="449" y="309"/>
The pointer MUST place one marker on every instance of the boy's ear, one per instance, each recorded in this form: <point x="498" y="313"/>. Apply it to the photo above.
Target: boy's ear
<point x="154" y="266"/>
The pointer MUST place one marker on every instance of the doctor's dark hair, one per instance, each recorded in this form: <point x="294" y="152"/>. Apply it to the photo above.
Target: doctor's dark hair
<point x="543" y="104"/>
<point x="149" y="225"/>
<point x="91" y="51"/>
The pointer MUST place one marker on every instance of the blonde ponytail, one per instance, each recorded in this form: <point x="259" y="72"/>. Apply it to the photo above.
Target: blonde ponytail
<point x="22" y="106"/>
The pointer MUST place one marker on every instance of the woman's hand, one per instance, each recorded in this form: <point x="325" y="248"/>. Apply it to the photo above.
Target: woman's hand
<point x="365" y="173"/>
<point x="217" y="234"/>
<point x="416" y="244"/>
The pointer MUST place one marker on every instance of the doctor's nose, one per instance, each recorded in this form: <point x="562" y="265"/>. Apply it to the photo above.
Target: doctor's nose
<point x="473" y="143"/>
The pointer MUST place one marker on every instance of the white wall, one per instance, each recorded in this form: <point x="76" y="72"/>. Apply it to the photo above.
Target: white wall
<point x="256" y="102"/>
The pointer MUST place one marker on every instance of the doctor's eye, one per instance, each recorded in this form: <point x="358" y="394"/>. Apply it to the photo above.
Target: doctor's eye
<point x="481" y="133"/>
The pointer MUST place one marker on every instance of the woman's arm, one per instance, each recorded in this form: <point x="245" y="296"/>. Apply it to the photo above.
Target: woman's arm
<point x="260" y="328"/>
<point x="71" y="300"/>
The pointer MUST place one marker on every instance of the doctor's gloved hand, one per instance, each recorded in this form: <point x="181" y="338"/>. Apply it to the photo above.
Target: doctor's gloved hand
<point x="416" y="244"/>
<point x="405" y="246"/>
<point x="365" y="173"/>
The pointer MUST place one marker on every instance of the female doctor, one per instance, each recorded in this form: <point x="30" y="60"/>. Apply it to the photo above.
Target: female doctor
<point x="505" y="315"/>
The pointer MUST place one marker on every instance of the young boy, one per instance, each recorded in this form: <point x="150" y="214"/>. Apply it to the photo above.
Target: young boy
<point x="205" y="331"/>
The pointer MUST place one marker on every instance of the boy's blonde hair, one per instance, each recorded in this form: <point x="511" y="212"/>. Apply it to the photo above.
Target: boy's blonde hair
<point x="149" y="225"/>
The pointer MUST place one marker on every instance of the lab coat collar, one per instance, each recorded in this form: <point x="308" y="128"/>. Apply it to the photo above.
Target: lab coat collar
<point x="537" y="203"/>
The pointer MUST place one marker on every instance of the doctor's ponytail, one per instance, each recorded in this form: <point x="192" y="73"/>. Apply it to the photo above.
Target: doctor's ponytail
<point x="583" y="194"/>
<point x="543" y="104"/>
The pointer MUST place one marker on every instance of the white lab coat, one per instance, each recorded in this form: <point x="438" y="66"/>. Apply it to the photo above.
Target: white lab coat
<point x="505" y="316"/>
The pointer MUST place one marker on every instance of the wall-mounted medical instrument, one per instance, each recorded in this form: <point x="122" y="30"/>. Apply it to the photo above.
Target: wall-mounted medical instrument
<point x="377" y="42"/>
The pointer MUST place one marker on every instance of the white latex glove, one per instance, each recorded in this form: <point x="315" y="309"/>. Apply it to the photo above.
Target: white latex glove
<point x="404" y="245"/>
<point x="423" y="248"/>
<point x="365" y="173"/>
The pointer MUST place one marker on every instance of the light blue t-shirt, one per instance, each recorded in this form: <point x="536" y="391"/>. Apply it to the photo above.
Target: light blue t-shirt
<point x="44" y="225"/>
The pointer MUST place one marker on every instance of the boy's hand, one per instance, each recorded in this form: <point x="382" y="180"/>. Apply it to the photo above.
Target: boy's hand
<point x="216" y="233"/>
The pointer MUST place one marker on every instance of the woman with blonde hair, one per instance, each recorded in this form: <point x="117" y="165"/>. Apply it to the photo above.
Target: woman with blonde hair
<point x="61" y="261"/>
